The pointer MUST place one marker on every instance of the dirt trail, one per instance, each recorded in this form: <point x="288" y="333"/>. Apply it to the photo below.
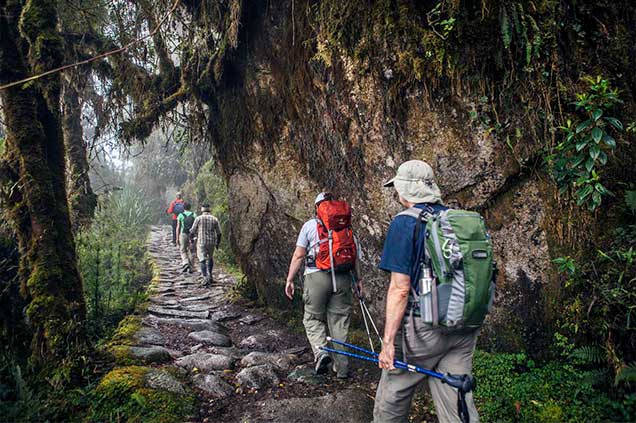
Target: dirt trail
<point x="243" y="365"/>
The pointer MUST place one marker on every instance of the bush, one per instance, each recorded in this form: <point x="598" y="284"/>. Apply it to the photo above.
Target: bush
<point x="512" y="388"/>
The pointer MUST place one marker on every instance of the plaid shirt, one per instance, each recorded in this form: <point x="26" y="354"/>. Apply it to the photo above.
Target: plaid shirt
<point x="207" y="230"/>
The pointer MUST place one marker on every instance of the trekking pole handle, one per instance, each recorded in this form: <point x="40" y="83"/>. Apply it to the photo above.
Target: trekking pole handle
<point x="464" y="383"/>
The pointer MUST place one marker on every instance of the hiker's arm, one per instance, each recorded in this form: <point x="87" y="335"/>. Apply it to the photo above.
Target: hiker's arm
<point x="195" y="227"/>
<point x="170" y="208"/>
<point x="178" y="230"/>
<point x="396" y="301"/>
<point x="294" y="266"/>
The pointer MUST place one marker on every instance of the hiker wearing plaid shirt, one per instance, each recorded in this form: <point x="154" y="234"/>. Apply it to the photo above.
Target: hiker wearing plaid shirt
<point x="207" y="230"/>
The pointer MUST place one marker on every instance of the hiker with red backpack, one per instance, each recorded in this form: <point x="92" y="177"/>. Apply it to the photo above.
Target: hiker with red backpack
<point x="328" y="248"/>
<point x="175" y="209"/>
<point x="441" y="288"/>
<point x="185" y="221"/>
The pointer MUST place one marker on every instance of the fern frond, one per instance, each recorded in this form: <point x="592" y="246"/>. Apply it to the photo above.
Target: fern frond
<point x="590" y="354"/>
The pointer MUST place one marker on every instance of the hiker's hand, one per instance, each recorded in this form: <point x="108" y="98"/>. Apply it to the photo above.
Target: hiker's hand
<point x="359" y="285"/>
<point x="387" y="355"/>
<point x="289" y="290"/>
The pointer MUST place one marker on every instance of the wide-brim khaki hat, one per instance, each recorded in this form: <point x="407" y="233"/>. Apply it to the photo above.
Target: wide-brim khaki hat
<point x="415" y="182"/>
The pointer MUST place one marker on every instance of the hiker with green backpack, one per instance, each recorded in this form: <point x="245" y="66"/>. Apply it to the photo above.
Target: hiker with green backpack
<point x="185" y="221"/>
<point x="441" y="288"/>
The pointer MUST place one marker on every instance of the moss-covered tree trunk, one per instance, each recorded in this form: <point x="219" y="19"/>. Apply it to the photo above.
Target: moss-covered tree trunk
<point x="82" y="200"/>
<point x="36" y="194"/>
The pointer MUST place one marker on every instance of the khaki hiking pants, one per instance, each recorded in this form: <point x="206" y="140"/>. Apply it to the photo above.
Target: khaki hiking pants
<point x="185" y="250"/>
<point x="326" y="309"/>
<point x="430" y="349"/>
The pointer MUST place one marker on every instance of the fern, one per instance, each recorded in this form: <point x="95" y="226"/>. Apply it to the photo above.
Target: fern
<point x="626" y="374"/>
<point x="590" y="355"/>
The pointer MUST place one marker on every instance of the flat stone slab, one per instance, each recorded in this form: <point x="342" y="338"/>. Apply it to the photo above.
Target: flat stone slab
<point x="192" y="324"/>
<point x="153" y="354"/>
<point x="165" y="289"/>
<point x="212" y="384"/>
<point x="208" y="337"/>
<point x="158" y="379"/>
<point x="163" y="302"/>
<point x="178" y="313"/>
<point x="256" y="358"/>
<point x="350" y="406"/>
<point x="250" y="319"/>
<point x="151" y="336"/>
<point x="196" y="298"/>
<point x="205" y="361"/>
<point x="197" y="307"/>
<point x="258" y="377"/>
<point x="261" y="341"/>
<point x="224" y="315"/>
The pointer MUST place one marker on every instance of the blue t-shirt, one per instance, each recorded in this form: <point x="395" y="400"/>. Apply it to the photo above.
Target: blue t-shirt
<point x="398" y="255"/>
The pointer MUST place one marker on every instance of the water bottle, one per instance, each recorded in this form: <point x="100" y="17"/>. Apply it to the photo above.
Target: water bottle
<point x="426" y="295"/>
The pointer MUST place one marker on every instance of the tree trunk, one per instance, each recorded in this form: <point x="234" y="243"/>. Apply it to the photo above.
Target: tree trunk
<point x="34" y="165"/>
<point x="81" y="199"/>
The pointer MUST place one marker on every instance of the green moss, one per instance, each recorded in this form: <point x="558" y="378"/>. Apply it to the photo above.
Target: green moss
<point x="123" y="396"/>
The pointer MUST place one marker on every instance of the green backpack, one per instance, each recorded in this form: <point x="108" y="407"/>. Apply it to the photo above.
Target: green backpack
<point x="457" y="278"/>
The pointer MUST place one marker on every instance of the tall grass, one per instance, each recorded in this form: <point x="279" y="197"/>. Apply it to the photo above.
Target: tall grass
<point x="111" y="258"/>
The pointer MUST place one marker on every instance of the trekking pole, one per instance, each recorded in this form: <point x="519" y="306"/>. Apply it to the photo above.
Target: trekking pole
<point x="364" y="318"/>
<point x="463" y="383"/>
<point x="365" y="312"/>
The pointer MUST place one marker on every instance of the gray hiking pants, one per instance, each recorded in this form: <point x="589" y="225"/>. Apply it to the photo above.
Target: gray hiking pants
<point x="326" y="309"/>
<point x="430" y="349"/>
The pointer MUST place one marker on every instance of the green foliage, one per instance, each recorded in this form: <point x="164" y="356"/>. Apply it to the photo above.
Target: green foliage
<point x="576" y="162"/>
<point x="599" y="298"/>
<point x="111" y="259"/>
<point x="511" y="387"/>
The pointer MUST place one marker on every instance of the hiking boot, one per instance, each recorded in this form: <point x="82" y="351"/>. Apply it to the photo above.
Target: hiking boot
<point x="322" y="364"/>
<point x="340" y="375"/>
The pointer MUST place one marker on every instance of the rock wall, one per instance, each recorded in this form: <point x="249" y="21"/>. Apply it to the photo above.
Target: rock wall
<point x="290" y="126"/>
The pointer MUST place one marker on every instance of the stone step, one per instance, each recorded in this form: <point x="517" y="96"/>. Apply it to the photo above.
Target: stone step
<point x="178" y="313"/>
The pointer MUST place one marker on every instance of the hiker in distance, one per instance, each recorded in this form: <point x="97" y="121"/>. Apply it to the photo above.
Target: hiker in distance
<point x="175" y="208"/>
<point x="441" y="287"/>
<point x="207" y="230"/>
<point x="185" y="221"/>
<point x="330" y="252"/>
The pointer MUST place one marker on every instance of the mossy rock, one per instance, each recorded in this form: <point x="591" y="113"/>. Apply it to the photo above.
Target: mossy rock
<point x="126" y="330"/>
<point x="123" y="395"/>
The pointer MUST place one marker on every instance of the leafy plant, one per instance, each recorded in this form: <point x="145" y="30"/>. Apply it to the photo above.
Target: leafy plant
<point x="577" y="160"/>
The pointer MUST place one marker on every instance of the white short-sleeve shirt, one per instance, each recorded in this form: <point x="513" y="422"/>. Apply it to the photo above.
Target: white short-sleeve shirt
<point x="308" y="239"/>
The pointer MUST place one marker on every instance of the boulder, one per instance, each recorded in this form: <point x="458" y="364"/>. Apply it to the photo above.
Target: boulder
<point x="206" y="361"/>
<point x="153" y="354"/>
<point x="258" y="377"/>
<point x="212" y="384"/>
<point x="257" y="358"/>
<point x="209" y="337"/>
<point x="159" y="379"/>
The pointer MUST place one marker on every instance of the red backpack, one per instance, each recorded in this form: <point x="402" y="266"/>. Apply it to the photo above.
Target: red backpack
<point x="337" y="248"/>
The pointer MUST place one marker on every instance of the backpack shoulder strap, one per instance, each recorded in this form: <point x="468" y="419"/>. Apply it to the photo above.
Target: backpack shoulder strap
<point x="413" y="212"/>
